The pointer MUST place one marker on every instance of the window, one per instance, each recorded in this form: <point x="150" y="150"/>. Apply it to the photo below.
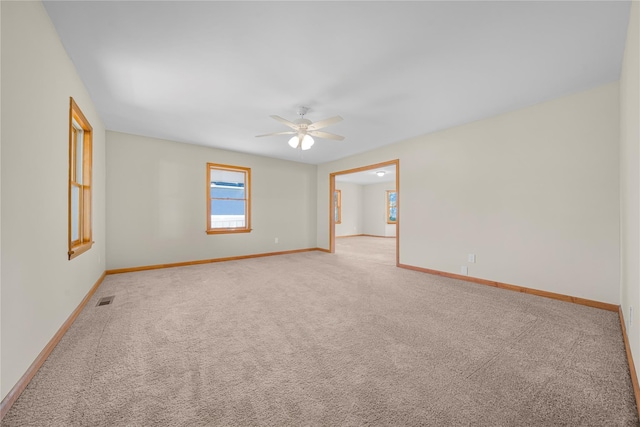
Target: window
<point x="337" y="206"/>
<point x="392" y="207"/>
<point x="80" y="164"/>
<point x="228" y="199"/>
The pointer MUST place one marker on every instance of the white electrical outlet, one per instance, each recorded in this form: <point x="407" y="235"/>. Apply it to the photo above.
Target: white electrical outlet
<point x="471" y="258"/>
<point x="276" y="240"/>
<point x="464" y="270"/>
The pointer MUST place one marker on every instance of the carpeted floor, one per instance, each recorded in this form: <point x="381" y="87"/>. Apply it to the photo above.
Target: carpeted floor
<point x="381" y="250"/>
<point x="332" y="340"/>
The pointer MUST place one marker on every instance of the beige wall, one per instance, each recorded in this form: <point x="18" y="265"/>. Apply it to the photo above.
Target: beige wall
<point x="630" y="181"/>
<point x="40" y="286"/>
<point x="352" y="210"/>
<point x="156" y="208"/>
<point x="375" y="208"/>
<point x="534" y="193"/>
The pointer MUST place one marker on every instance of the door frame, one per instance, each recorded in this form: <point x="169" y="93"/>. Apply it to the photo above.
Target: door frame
<point x="332" y="188"/>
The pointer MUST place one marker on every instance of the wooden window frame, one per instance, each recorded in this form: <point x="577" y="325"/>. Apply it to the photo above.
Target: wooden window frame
<point x="338" y="201"/>
<point x="247" y="199"/>
<point x="388" y="197"/>
<point x="84" y="241"/>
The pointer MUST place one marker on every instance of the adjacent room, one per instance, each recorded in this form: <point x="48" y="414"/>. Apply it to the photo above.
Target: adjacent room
<point x="319" y="213"/>
<point x="366" y="213"/>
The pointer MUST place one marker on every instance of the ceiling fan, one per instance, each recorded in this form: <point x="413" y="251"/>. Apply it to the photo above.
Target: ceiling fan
<point x="305" y="129"/>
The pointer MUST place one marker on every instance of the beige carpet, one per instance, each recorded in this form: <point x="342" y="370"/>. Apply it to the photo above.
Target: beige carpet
<point x="381" y="250"/>
<point x="332" y="340"/>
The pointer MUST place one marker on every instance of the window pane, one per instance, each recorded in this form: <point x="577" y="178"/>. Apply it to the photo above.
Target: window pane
<point x="72" y="161"/>
<point x="79" y="148"/>
<point x="392" y="214"/>
<point x="228" y="213"/>
<point x="75" y="213"/>
<point x="227" y="177"/>
<point x="392" y="206"/>
<point x="227" y="192"/>
<point x="227" y="207"/>
<point x="86" y="220"/>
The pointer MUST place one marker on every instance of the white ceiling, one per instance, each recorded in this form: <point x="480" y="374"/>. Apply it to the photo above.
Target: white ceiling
<point x="211" y="73"/>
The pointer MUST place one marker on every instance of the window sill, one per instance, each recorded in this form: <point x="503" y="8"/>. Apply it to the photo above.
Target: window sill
<point x="80" y="249"/>
<point x="229" y="231"/>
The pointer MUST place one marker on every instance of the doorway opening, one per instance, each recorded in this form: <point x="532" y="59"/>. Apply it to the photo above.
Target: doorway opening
<point x="377" y="212"/>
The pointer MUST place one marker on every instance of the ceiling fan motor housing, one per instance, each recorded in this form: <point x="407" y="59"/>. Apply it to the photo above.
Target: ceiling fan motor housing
<point x="303" y="123"/>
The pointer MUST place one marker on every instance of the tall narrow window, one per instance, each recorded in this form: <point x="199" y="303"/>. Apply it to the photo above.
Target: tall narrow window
<point x="337" y="206"/>
<point x="228" y="199"/>
<point x="392" y="207"/>
<point x="80" y="165"/>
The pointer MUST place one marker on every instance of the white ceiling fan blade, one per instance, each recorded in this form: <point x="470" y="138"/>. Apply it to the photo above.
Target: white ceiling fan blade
<point x="325" y="135"/>
<point x="285" y="121"/>
<point x="277" y="133"/>
<point x="324" y="123"/>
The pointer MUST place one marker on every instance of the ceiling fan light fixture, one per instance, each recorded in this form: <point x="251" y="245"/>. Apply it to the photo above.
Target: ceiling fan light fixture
<point x="307" y="142"/>
<point x="380" y="173"/>
<point x="302" y="129"/>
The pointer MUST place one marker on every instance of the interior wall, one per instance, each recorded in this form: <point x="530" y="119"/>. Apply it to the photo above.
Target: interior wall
<point x="352" y="219"/>
<point x="630" y="182"/>
<point x="375" y="206"/>
<point x="534" y="193"/>
<point x="156" y="206"/>
<point x="40" y="286"/>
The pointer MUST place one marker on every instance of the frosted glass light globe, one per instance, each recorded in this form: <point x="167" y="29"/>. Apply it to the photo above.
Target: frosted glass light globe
<point x="307" y="142"/>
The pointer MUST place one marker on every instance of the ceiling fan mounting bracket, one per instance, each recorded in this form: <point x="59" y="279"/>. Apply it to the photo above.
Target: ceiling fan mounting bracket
<point x="302" y="111"/>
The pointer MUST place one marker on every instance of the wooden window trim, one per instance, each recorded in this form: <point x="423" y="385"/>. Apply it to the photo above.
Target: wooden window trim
<point x="247" y="195"/>
<point x="84" y="241"/>
<point x="339" y="206"/>
<point x="389" y="207"/>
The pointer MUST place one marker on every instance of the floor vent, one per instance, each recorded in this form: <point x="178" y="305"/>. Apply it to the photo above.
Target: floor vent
<point x="105" y="301"/>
